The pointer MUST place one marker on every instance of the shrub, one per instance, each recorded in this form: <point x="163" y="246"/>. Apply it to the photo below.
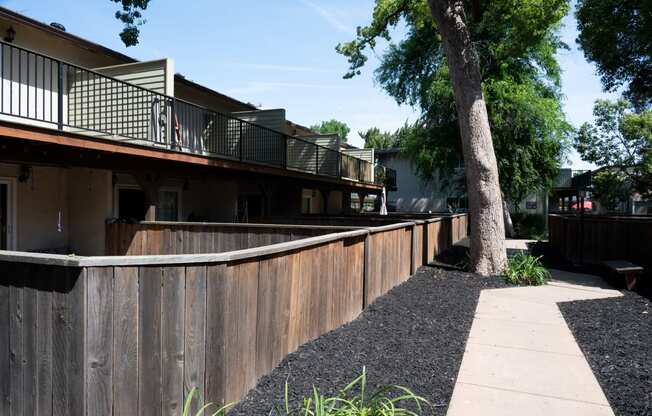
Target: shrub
<point x="525" y="269"/>
<point x="353" y="400"/>
<point x="530" y="225"/>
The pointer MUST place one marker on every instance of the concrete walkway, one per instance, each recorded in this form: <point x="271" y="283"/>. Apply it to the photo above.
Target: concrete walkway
<point x="522" y="359"/>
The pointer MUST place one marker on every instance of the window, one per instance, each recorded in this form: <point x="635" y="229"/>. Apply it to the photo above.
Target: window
<point x="168" y="208"/>
<point x="131" y="204"/>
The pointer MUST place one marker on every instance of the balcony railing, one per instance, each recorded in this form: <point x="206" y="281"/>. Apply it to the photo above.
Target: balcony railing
<point x="48" y="92"/>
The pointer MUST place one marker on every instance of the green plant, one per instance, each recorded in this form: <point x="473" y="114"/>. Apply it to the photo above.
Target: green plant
<point x="530" y="225"/>
<point x="525" y="269"/>
<point x="354" y="401"/>
<point x="204" y="410"/>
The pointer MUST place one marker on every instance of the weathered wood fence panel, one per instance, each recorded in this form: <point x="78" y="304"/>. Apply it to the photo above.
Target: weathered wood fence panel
<point x="43" y="324"/>
<point x="137" y="239"/>
<point x="595" y="239"/>
<point x="131" y="339"/>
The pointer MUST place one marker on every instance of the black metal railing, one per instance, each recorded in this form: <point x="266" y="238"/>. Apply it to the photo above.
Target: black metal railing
<point x="54" y="93"/>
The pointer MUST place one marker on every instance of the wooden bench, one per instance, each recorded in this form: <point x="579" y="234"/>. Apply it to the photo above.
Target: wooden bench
<point x="625" y="268"/>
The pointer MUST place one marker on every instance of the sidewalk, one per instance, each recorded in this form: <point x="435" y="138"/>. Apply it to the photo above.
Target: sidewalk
<point x="521" y="358"/>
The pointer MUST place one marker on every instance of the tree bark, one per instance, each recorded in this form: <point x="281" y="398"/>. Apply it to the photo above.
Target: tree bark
<point x="488" y="255"/>
<point x="509" y="224"/>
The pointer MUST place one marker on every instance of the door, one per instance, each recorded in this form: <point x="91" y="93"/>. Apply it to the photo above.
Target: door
<point x="4" y="211"/>
<point x="7" y="209"/>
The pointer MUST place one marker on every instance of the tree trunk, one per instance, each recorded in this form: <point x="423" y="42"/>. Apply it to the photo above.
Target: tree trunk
<point x="485" y="203"/>
<point x="509" y="225"/>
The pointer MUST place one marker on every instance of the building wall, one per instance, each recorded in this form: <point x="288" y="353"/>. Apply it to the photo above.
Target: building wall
<point x="272" y="119"/>
<point x="335" y="205"/>
<point x="413" y="195"/>
<point x="213" y="201"/>
<point x="534" y="203"/>
<point x="207" y="199"/>
<point x="90" y="204"/>
<point x="39" y="41"/>
<point x="155" y="75"/>
<point x="39" y="201"/>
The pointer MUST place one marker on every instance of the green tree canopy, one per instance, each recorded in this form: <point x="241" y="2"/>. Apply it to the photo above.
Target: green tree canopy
<point x="376" y="139"/>
<point x="609" y="188"/>
<point x="517" y="42"/>
<point x="620" y="139"/>
<point x="332" y="127"/>
<point x="617" y="36"/>
<point x="131" y="15"/>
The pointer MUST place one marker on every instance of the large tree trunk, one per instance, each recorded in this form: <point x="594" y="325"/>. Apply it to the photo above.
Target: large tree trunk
<point x="509" y="225"/>
<point x="485" y="203"/>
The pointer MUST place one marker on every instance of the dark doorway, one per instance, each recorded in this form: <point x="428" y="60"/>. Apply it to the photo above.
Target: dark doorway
<point x="4" y="216"/>
<point x="249" y="206"/>
<point x="131" y="204"/>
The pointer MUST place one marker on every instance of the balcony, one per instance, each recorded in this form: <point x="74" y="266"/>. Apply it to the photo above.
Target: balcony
<point x="46" y="92"/>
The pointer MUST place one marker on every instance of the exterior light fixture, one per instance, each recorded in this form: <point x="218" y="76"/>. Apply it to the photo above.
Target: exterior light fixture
<point x="11" y="35"/>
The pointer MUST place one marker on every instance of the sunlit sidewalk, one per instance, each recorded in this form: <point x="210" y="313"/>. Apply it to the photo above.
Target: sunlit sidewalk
<point x="521" y="358"/>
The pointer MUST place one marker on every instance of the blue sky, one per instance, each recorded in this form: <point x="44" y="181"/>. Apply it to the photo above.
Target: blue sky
<point x="279" y="54"/>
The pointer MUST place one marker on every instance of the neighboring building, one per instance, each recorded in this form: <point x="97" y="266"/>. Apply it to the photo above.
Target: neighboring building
<point x="412" y="194"/>
<point x="576" y="186"/>
<point x="442" y="195"/>
<point x="89" y="135"/>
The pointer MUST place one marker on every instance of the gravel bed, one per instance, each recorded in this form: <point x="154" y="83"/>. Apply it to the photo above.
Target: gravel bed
<point x="616" y="337"/>
<point x="414" y="337"/>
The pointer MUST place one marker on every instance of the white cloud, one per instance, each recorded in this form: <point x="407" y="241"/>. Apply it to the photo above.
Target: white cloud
<point x="255" y="88"/>
<point x="286" y="68"/>
<point x="332" y="17"/>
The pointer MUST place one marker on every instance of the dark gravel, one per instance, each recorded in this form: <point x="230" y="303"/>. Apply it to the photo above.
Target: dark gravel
<point x="616" y="337"/>
<point x="414" y="336"/>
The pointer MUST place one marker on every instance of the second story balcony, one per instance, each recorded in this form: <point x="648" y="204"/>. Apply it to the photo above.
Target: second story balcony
<point x="112" y="104"/>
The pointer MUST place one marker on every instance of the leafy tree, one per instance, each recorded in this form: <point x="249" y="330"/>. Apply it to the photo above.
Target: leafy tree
<point x="376" y="139"/>
<point x="609" y="189"/>
<point x="132" y="17"/>
<point x="619" y="139"/>
<point x="521" y="84"/>
<point x="617" y="36"/>
<point x="516" y="44"/>
<point x="332" y="127"/>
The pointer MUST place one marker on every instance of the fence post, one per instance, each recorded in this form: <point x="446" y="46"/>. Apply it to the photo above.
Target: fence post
<point x="60" y="95"/>
<point x="413" y="265"/>
<point x="366" y="268"/>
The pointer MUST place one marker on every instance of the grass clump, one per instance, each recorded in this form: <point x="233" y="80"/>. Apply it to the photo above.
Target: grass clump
<point x="525" y="269"/>
<point x="354" y="400"/>
<point x="208" y="409"/>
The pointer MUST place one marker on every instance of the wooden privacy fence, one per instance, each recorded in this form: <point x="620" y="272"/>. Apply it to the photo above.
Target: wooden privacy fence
<point x="154" y="238"/>
<point x="132" y="335"/>
<point x="595" y="239"/>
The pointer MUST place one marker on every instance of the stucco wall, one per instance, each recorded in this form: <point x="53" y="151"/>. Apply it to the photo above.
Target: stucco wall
<point x="39" y="200"/>
<point x="90" y="202"/>
<point x="335" y="202"/>
<point x="413" y="195"/>
<point x="210" y="200"/>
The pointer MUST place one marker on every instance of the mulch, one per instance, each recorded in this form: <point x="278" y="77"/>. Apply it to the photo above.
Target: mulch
<point x="414" y="337"/>
<point x="616" y="337"/>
